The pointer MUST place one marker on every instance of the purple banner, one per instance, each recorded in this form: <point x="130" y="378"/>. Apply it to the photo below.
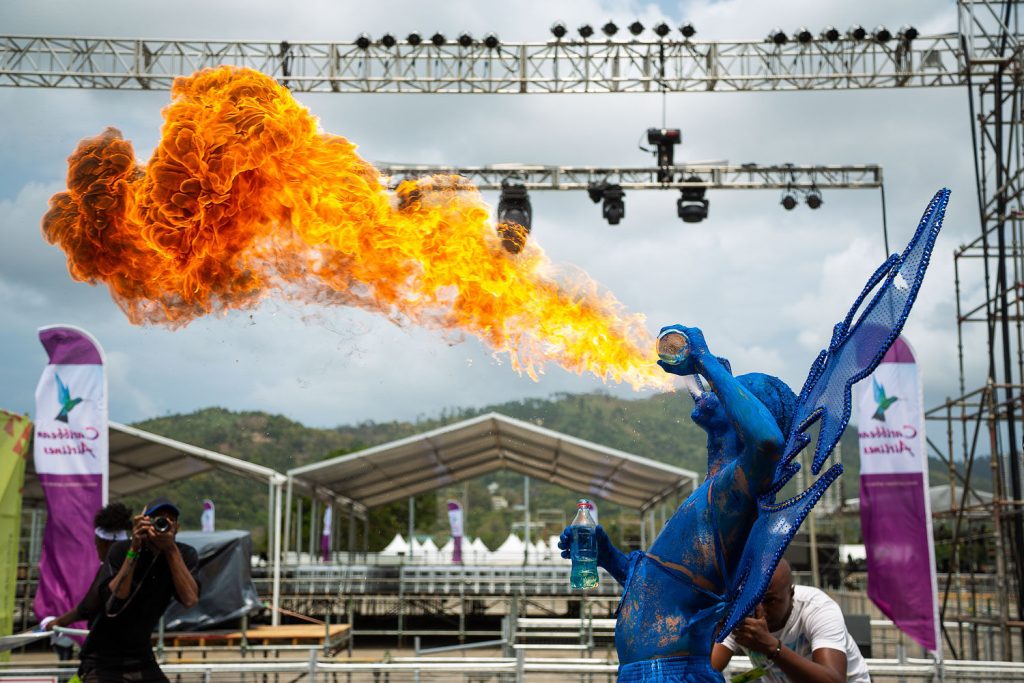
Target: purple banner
<point x="70" y="453"/>
<point x="895" y="512"/>
<point x="325" y="536"/>
<point x="455" y="520"/>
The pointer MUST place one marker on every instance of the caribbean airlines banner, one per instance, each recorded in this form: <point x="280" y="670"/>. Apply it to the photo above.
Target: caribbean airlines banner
<point x="71" y="449"/>
<point x="895" y="509"/>
<point x="15" y="432"/>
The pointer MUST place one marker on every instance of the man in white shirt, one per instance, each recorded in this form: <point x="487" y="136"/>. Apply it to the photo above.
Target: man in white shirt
<point x="797" y="634"/>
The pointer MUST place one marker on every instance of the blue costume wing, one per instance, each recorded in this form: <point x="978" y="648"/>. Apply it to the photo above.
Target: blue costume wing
<point x="856" y="349"/>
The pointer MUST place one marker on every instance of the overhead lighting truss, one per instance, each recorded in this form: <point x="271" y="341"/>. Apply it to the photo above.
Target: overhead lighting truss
<point x="564" y="64"/>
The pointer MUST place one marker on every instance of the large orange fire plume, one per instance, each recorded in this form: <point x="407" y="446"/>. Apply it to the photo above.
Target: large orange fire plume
<point x="244" y="197"/>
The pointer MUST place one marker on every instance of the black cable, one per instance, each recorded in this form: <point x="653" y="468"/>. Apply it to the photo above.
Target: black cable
<point x="885" y="223"/>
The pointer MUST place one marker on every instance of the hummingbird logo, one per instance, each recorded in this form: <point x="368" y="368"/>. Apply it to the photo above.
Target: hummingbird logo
<point x="66" y="402"/>
<point x="882" y="400"/>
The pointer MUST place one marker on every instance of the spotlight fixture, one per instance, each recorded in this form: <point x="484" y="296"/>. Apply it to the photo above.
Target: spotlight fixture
<point x="661" y="29"/>
<point x="908" y="33"/>
<point x="414" y="39"/>
<point x="636" y="28"/>
<point x="596" y="191"/>
<point x="778" y="36"/>
<point x="558" y="30"/>
<point x="830" y="33"/>
<point x="585" y="31"/>
<point x="514" y="215"/>
<point x="857" y="32"/>
<point x="363" y="41"/>
<point x="882" y="34"/>
<point x="691" y="206"/>
<point x="438" y="39"/>
<point x="491" y="41"/>
<point x="614" y="208"/>
<point x="610" y="29"/>
<point x="813" y="198"/>
<point x="788" y="201"/>
<point x="802" y="35"/>
<point x="664" y="141"/>
<point x="465" y="39"/>
<point x="388" y="40"/>
<point x="688" y="30"/>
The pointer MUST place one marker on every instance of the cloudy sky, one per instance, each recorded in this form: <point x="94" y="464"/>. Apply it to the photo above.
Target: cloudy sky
<point x="766" y="285"/>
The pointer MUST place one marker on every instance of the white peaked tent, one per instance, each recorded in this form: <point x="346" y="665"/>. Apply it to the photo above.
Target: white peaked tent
<point x="475" y="552"/>
<point x="430" y="552"/>
<point x="511" y="550"/>
<point x="397" y="545"/>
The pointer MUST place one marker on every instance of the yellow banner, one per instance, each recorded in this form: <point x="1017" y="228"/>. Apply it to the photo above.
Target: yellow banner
<point x="15" y="431"/>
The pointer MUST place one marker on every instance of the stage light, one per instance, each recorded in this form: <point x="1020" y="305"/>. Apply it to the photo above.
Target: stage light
<point x="661" y="29"/>
<point x="363" y="41"/>
<point x="614" y="208"/>
<point x="388" y="40"/>
<point x="802" y="35"/>
<point x="788" y="201"/>
<point x="610" y="29"/>
<point x="857" y="32"/>
<point x="778" y="36"/>
<point x="664" y="141"/>
<point x="814" y="199"/>
<point x="514" y="215"/>
<point x="596" y="191"/>
<point x="491" y="41"/>
<point x="908" y="33"/>
<point x="465" y="39"/>
<point x="636" y="28"/>
<point x="414" y="39"/>
<point x="585" y="31"/>
<point x="691" y="206"/>
<point x="438" y="39"/>
<point x="558" y="30"/>
<point x="830" y="33"/>
<point x="882" y="34"/>
<point x="688" y="30"/>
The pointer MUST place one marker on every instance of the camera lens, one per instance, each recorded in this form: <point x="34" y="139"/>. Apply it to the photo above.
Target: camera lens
<point x="162" y="524"/>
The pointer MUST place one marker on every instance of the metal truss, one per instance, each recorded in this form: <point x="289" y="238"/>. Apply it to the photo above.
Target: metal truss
<point x="716" y="177"/>
<point x="512" y="68"/>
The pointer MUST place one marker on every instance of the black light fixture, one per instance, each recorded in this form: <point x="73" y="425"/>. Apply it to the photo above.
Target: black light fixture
<point x="802" y="35"/>
<point x="514" y="215"/>
<point x="465" y="39"/>
<point x="691" y="206"/>
<point x="908" y="33"/>
<point x="585" y="31"/>
<point x="363" y="41"/>
<point x="813" y="198"/>
<point x="610" y="29"/>
<point x="388" y="40"/>
<point x="857" y="32"/>
<point x="438" y="39"/>
<point x="414" y="39"/>
<point x="788" y="201"/>
<point x="881" y="34"/>
<point x="558" y="30"/>
<point x="664" y="141"/>
<point x="778" y="36"/>
<point x="830" y="33"/>
<point x="614" y="208"/>
<point x="596" y="191"/>
<point x="636" y="28"/>
<point x="491" y="41"/>
<point x="688" y="30"/>
<point x="661" y="29"/>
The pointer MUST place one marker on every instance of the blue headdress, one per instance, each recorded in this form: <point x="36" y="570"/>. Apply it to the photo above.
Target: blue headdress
<point x="856" y="349"/>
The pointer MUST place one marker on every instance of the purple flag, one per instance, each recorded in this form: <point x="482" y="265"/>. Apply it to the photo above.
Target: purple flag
<point x="455" y="520"/>
<point x="325" y="536"/>
<point x="208" y="519"/>
<point x="895" y="510"/>
<point x="71" y="449"/>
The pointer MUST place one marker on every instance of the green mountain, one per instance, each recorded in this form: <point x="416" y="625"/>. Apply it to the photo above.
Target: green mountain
<point x="657" y="427"/>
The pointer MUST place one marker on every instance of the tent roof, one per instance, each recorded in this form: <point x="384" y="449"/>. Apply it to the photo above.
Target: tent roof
<point x="141" y="460"/>
<point x="464" y="450"/>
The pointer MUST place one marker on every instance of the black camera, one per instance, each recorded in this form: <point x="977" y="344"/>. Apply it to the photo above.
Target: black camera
<point x="162" y="525"/>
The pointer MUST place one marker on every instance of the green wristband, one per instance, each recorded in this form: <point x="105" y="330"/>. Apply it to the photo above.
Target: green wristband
<point x="131" y="554"/>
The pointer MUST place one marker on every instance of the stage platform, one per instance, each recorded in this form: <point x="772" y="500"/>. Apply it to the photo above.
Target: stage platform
<point x="329" y="637"/>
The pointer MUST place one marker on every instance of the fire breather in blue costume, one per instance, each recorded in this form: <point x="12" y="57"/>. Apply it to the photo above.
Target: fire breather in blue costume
<point x="712" y="562"/>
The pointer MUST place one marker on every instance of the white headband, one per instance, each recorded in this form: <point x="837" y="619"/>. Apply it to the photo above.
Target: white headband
<point x="119" y="535"/>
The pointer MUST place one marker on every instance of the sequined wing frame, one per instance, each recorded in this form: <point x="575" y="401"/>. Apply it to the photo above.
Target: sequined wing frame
<point x="856" y="349"/>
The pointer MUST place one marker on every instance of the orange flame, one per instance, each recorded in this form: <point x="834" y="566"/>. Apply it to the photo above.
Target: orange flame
<point x="244" y="197"/>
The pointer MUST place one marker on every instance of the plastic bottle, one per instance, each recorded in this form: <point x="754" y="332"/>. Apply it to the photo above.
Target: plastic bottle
<point x="584" y="548"/>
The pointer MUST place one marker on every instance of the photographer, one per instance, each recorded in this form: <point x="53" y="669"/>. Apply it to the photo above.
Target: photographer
<point x="138" y="581"/>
